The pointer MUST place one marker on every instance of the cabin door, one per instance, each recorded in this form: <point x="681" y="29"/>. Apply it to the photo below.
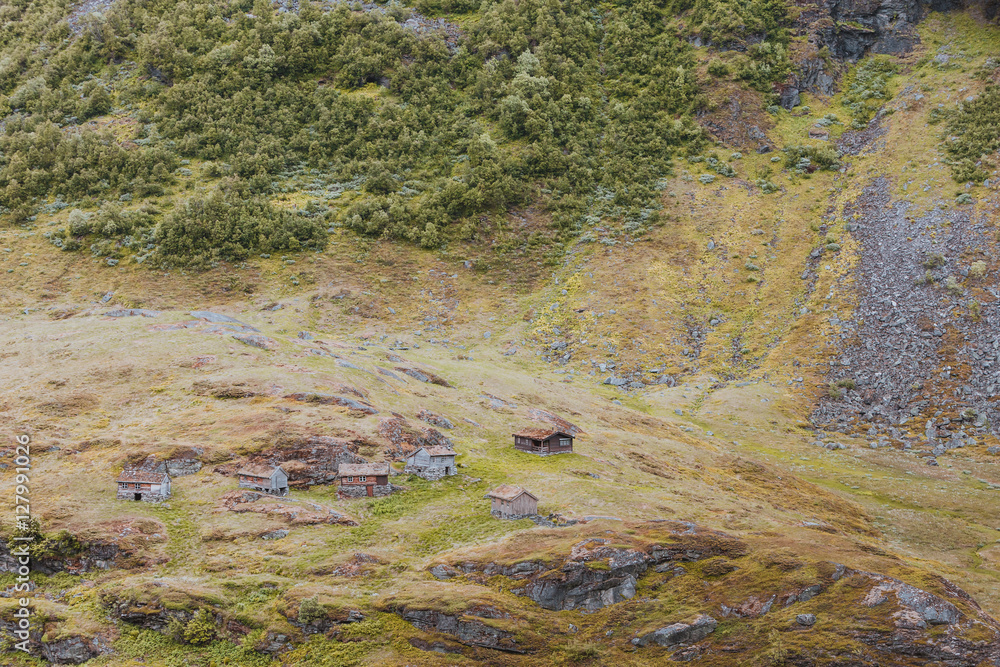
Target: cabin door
<point x="138" y="496"/>
<point x="371" y="490"/>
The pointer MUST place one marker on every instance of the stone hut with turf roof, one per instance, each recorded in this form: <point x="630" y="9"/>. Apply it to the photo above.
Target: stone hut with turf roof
<point x="146" y="483"/>
<point x="432" y="462"/>
<point x="360" y="480"/>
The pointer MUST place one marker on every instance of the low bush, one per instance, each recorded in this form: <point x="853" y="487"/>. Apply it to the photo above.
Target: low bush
<point x="867" y="88"/>
<point x="812" y="158"/>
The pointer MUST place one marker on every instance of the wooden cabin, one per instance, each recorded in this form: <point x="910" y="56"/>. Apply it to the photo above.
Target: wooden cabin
<point x="148" y="484"/>
<point x="358" y="480"/>
<point x="512" y="502"/>
<point x="543" y="441"/>
<point x="264" y="477"/>
<point x="432" y="462"/>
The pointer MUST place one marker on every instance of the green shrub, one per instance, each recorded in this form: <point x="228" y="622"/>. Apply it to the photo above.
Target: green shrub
<point x="580" y="651"/>
<point x="734" y="23"/>
<point x="952" y="285"/>
<point x="200" y="629"/>
<point x="231" y="224"/>
<point x="847" y="384"/>
<point x="717" y="68"/>
<point x="973" y="132"/>
<point x="766" y="186"/>
<point x="811" y="158"/>
<point x="934" y="261"/>
<point x="766" y="63"/>
<point x="867" y="88"/>
<point x="310" y="610"/>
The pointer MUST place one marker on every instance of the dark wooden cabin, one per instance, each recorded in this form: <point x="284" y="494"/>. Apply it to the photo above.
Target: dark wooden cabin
<point x="543" y="441"/>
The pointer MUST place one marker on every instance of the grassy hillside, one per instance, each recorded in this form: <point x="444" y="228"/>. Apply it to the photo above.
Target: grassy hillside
<point x="531" y="205"/>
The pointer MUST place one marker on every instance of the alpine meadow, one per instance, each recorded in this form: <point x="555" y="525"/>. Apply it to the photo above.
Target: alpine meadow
<point x="509" y="333"/>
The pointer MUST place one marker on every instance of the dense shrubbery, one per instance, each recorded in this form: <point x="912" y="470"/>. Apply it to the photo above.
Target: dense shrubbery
<point x="867" y="88"/>
<point x="577" y="104"/>
<point x="39" y="159"/>
<point x="974" y="133"/>
<point x="736" y="22"/>
<point x="806" y="159"/>
<point x="230" y="224"/>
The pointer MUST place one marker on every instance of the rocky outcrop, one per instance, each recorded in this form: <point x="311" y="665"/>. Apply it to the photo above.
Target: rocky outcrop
<point x="275" y="643"/>
<point x="406" y="439"/>
<point x="423" y="376"/>
<point x="150" y="616"/>
<point x="331" y="399"/>
<point x="435" y="419"/>
<point x="65" y="554"/>
<point x="132" y="312"/>
<point x="595" y="574"/>
<point x="918" y="607"/>
<point x="852" y="29"/>
<point x="679" y="633"/>
<point x="184" y="462"/>
<point x="811" y="75"/>
<point x="590" y="580"/>
<point x="555" y="421"/>
<point x="64" y="650"/>
<point x="466" y="628"/>
<point x="70" y="650"/>
<point x="217" y="318"/>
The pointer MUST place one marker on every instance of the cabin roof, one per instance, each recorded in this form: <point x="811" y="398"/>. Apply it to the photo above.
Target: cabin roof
<point x="265" y="470"/>
<point x="141" y="475"/>
<point x="540" y="433"/>
<point x="363" y="469"/>
<point x="509" y="492"/>
<point x="432" y="450"/>
<point x="437" y="450"/>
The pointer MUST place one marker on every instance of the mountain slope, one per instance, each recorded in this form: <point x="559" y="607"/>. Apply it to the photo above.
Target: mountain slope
<point x="749" y="453"/>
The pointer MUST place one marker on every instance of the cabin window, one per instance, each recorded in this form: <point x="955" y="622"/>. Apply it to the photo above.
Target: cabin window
<point x="564" y="442"/>
<point x="362" y="478"/>
<point x="350" y="479"/>
<point x="137" y="485"/>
